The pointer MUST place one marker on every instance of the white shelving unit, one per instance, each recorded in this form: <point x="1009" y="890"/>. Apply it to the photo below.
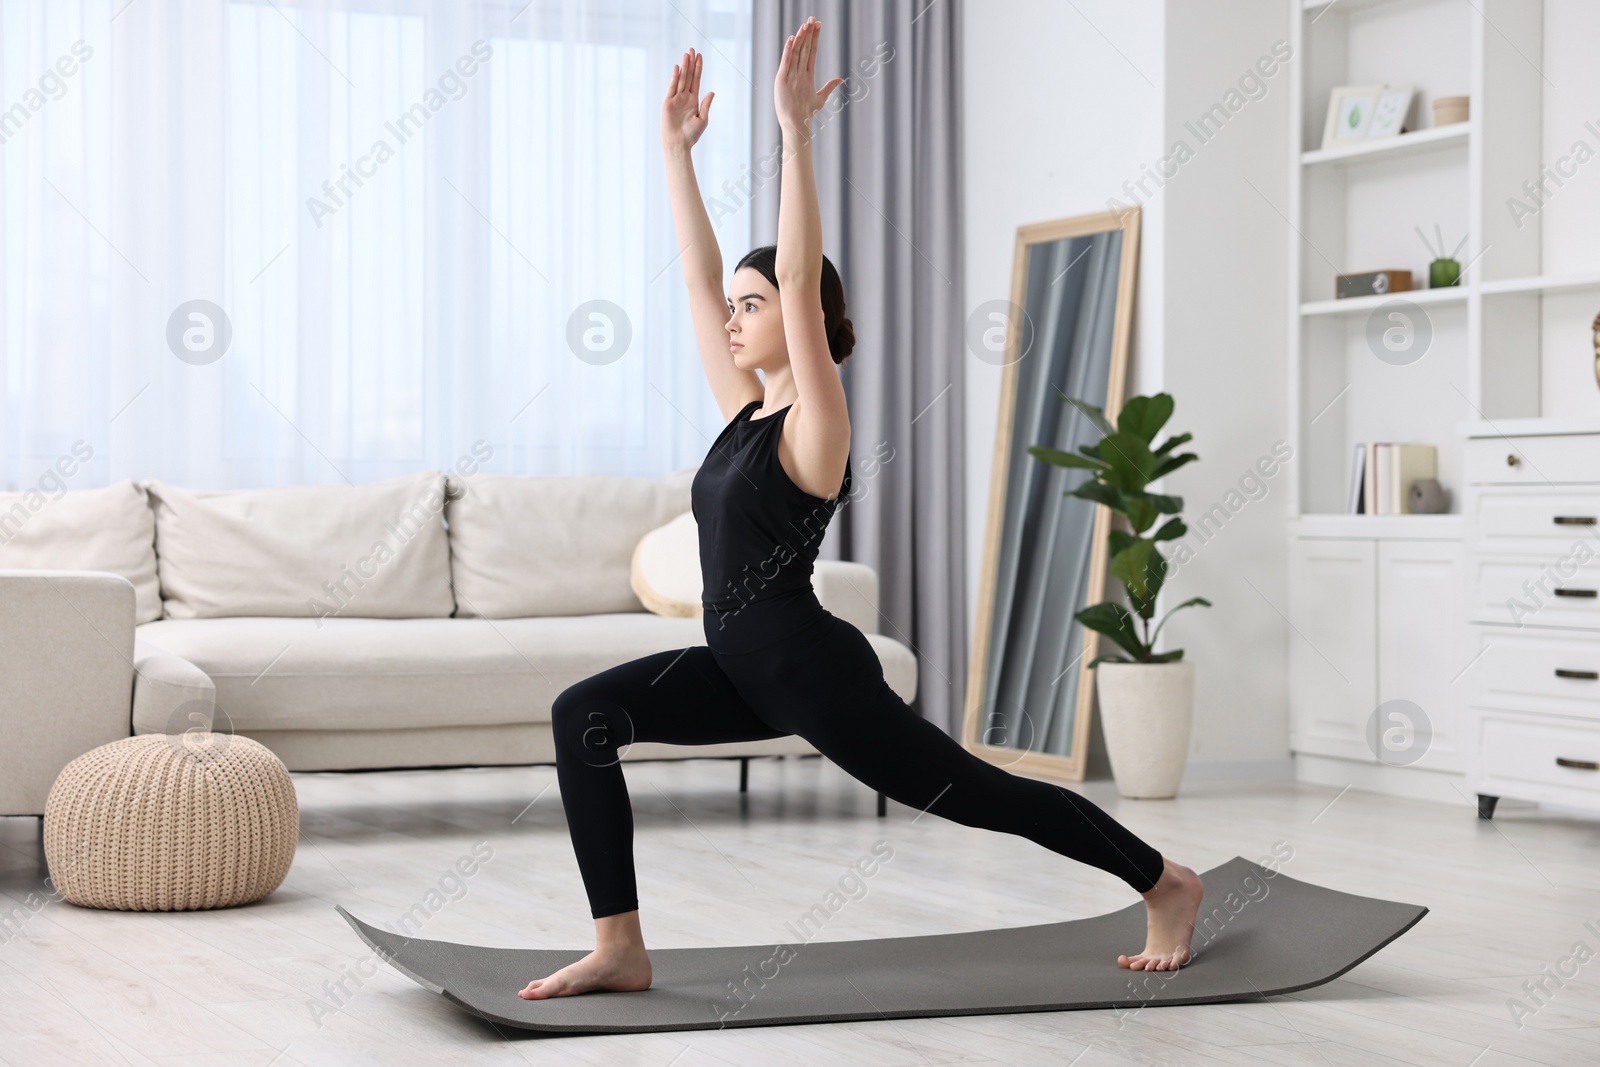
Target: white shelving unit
<point x="1351" y="305"/>
<point x="1509" y="349"/>
<point x="1542" y="283"/>
<point x="1389" y="147"/>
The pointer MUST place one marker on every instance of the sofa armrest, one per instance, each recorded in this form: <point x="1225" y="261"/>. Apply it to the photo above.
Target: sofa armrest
<point x="170" y="694"/>
<point x="66" y="669"/>
<point x="848" y="590"/>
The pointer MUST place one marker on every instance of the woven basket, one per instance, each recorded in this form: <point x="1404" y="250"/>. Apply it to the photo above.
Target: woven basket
<point x="171" y="822"/>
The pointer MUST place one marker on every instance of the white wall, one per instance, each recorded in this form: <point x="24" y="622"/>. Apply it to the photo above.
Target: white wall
<point x="1223" y="318"/>
<point x="1055" y="118"/>
<point x="1064" y="104"/>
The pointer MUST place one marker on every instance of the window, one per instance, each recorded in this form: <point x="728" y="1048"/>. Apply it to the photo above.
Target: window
<point x="424" y="225"/>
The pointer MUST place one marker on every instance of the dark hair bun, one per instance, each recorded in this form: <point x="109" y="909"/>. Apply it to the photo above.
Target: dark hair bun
<point x="843" y="340"/>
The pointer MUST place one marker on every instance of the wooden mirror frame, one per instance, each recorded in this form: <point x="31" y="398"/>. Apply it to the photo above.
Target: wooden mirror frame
<point x="1047" y="764"/>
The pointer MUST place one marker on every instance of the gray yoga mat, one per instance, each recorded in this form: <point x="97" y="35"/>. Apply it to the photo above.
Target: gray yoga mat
<point x="1258" y="933"/>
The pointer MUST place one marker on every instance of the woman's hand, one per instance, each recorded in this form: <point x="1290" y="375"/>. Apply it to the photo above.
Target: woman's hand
<point x="794" y="93"/>
<point x="683" y="120"/>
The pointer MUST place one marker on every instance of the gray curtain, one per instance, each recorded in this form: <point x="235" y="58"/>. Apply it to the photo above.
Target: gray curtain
<point x="887" y="156"/>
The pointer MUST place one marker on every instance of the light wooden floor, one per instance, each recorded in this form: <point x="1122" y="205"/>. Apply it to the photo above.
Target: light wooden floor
<point x="240" y="986"/>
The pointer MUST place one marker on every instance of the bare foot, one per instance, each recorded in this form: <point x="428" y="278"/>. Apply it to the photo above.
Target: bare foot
<point x="625" y="969"/>
<point x="1171" y="907"/>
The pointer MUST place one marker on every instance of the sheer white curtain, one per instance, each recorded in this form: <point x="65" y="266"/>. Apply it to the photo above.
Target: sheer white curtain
<point x="429" y="229"/>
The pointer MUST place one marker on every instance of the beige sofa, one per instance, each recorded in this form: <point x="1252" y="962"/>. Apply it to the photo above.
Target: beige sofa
<point x="429" y="620"/>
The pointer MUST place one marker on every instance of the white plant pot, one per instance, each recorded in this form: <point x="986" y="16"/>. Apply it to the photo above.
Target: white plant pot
<point x="1146" y="710"/>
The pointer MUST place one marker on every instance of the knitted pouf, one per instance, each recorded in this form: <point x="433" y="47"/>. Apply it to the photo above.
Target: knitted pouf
<point x="171" y="822"/>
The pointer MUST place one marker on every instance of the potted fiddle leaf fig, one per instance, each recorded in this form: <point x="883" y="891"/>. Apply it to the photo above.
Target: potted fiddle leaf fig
<point x="1146" y="697"/>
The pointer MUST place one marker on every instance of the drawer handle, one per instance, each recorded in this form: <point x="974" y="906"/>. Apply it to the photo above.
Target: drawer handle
<point x="1574" y="520"/>
<point x="1512" y="459"/>
<point x="1587" y="594"/>
<point x="1577" y="764"/>
<point x="1587" y="676"/>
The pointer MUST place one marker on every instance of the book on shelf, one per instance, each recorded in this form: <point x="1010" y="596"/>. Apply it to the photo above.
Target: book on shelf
<point x="1358" y="473"/>
<point x="1381" y="473"/>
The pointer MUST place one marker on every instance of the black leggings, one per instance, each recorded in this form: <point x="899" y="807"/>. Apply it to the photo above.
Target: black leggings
<point x="791" y="667"/>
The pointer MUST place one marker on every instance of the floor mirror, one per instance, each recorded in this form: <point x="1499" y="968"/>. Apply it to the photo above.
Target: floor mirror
<point x="1029" y="696"/>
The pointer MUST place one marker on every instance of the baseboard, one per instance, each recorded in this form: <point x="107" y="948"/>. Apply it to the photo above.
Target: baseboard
<point x="1270" y="769"/>
<point x="1413" y="783"/>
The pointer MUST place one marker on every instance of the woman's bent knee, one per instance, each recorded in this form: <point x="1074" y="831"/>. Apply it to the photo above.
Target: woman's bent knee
<point x="588" y="727"/>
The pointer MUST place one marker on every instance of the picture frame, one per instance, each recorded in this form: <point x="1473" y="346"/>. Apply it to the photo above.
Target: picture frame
<point x="1350" y="110"/>
<point x="1389" y="112"/>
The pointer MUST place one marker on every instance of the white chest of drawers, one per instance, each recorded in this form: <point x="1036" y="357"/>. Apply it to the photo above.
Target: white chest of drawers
<point x="1532" y="505"/>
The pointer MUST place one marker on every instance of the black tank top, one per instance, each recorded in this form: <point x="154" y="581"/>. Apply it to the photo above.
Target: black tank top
<point x="759" y="532"/>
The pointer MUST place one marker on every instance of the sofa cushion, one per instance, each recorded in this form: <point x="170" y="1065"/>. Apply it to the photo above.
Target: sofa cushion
<point x="666" y="569"/>
<point x="379" y="674"/>
<point x="170" y="694"/>
<point x="390" y="674"/>
<point x="374" y="551"/>
<point x="533" y="545"/>
<point x="104" y="529"/>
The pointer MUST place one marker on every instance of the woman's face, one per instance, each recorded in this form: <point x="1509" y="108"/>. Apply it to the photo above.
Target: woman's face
<point x="755" y="322"/>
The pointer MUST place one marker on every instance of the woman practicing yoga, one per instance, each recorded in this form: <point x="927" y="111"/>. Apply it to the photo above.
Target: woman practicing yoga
<point x="775" y="661"/>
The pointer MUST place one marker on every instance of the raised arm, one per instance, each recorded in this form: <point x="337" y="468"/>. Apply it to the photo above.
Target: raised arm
<point x="823" y="433"/>
<point x="683" y="120"/>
